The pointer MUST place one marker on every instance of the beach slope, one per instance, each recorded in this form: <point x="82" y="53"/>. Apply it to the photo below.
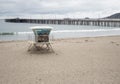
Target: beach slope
<point x="94" y="60"/>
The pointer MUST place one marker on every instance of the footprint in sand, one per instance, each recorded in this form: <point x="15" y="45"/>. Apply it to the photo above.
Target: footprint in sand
<point x="86" y="40"/>
<point x="115" y="43"/>
<point x="89" y="40"/>
<point x="39" y="81"/>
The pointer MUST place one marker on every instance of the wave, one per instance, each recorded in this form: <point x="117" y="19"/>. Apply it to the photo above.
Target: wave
<point x="7" y="33"/>
<point x="15" y="33"/>
<point x="93" y="30"/>
<point x="61" y="31"/>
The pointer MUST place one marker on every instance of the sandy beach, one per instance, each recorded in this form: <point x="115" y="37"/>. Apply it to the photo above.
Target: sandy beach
<point x="94" y="60"/>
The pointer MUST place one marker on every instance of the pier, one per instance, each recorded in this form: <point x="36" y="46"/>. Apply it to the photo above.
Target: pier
<point x="69" y="21"/>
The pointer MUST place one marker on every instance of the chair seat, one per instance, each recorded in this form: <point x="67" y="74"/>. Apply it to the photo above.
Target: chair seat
<point x="43" y="38"/>
<point x="40" y="45"/>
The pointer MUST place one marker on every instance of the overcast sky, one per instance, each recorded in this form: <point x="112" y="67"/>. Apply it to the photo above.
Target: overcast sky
<point x="58" y="8"/>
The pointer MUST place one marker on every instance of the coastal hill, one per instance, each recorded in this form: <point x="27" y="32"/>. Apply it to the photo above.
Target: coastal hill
<point x="114" y="16"/>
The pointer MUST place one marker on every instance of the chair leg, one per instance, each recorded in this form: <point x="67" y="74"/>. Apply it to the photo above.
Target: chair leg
<point x="42" y="46"/>
<point x="49" y="47"/>
<point x="29" y="48"/>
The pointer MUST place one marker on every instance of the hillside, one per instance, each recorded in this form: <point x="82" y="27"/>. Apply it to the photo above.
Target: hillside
<point x="114" y="16"/>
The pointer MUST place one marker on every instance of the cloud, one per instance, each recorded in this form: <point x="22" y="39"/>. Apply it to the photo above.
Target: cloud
<point x="63" y="8"/>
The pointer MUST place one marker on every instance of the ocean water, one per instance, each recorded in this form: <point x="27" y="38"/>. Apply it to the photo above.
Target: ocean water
<point x="22" y="31"/>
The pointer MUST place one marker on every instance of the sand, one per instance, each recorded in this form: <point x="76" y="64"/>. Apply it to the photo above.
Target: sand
<point x="94" y="60"/>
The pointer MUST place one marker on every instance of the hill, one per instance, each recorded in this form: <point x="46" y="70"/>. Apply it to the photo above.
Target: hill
<point x="114" y="16"/>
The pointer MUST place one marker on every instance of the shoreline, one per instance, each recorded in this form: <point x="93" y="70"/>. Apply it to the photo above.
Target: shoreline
<point x="2" y="41"/>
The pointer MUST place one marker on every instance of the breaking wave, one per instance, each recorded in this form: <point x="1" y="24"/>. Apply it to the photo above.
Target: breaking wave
<point x="61" y="31"/>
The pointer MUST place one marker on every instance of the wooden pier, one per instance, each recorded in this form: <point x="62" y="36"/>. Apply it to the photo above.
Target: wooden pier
<point x="68" y="21"/>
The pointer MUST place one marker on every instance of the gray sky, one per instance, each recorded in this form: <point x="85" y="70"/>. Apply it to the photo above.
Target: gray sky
<point x="58" y="8"/>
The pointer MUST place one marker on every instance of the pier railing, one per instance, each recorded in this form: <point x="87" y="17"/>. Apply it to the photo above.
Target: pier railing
<point x="89" y="22"/>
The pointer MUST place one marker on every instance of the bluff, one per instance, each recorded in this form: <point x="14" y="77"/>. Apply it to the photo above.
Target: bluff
<point x="114" y="16"/>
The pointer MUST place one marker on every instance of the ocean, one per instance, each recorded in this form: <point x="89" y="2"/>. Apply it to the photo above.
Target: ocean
<point x="22" y="31"/>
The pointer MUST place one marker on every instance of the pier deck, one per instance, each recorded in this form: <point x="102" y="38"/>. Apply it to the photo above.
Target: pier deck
<point x="89" y="22"/>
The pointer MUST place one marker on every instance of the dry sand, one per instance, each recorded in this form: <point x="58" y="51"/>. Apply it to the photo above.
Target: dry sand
<point x="75" y="61"/>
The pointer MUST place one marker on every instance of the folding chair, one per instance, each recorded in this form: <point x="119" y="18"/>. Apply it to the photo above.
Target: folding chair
<point x="41" y="38"/>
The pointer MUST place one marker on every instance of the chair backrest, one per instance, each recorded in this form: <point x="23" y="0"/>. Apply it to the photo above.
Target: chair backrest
<point x="42" y="35"/>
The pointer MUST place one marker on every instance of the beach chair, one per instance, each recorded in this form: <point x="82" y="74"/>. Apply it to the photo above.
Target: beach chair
<point x="41" y="38"/>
